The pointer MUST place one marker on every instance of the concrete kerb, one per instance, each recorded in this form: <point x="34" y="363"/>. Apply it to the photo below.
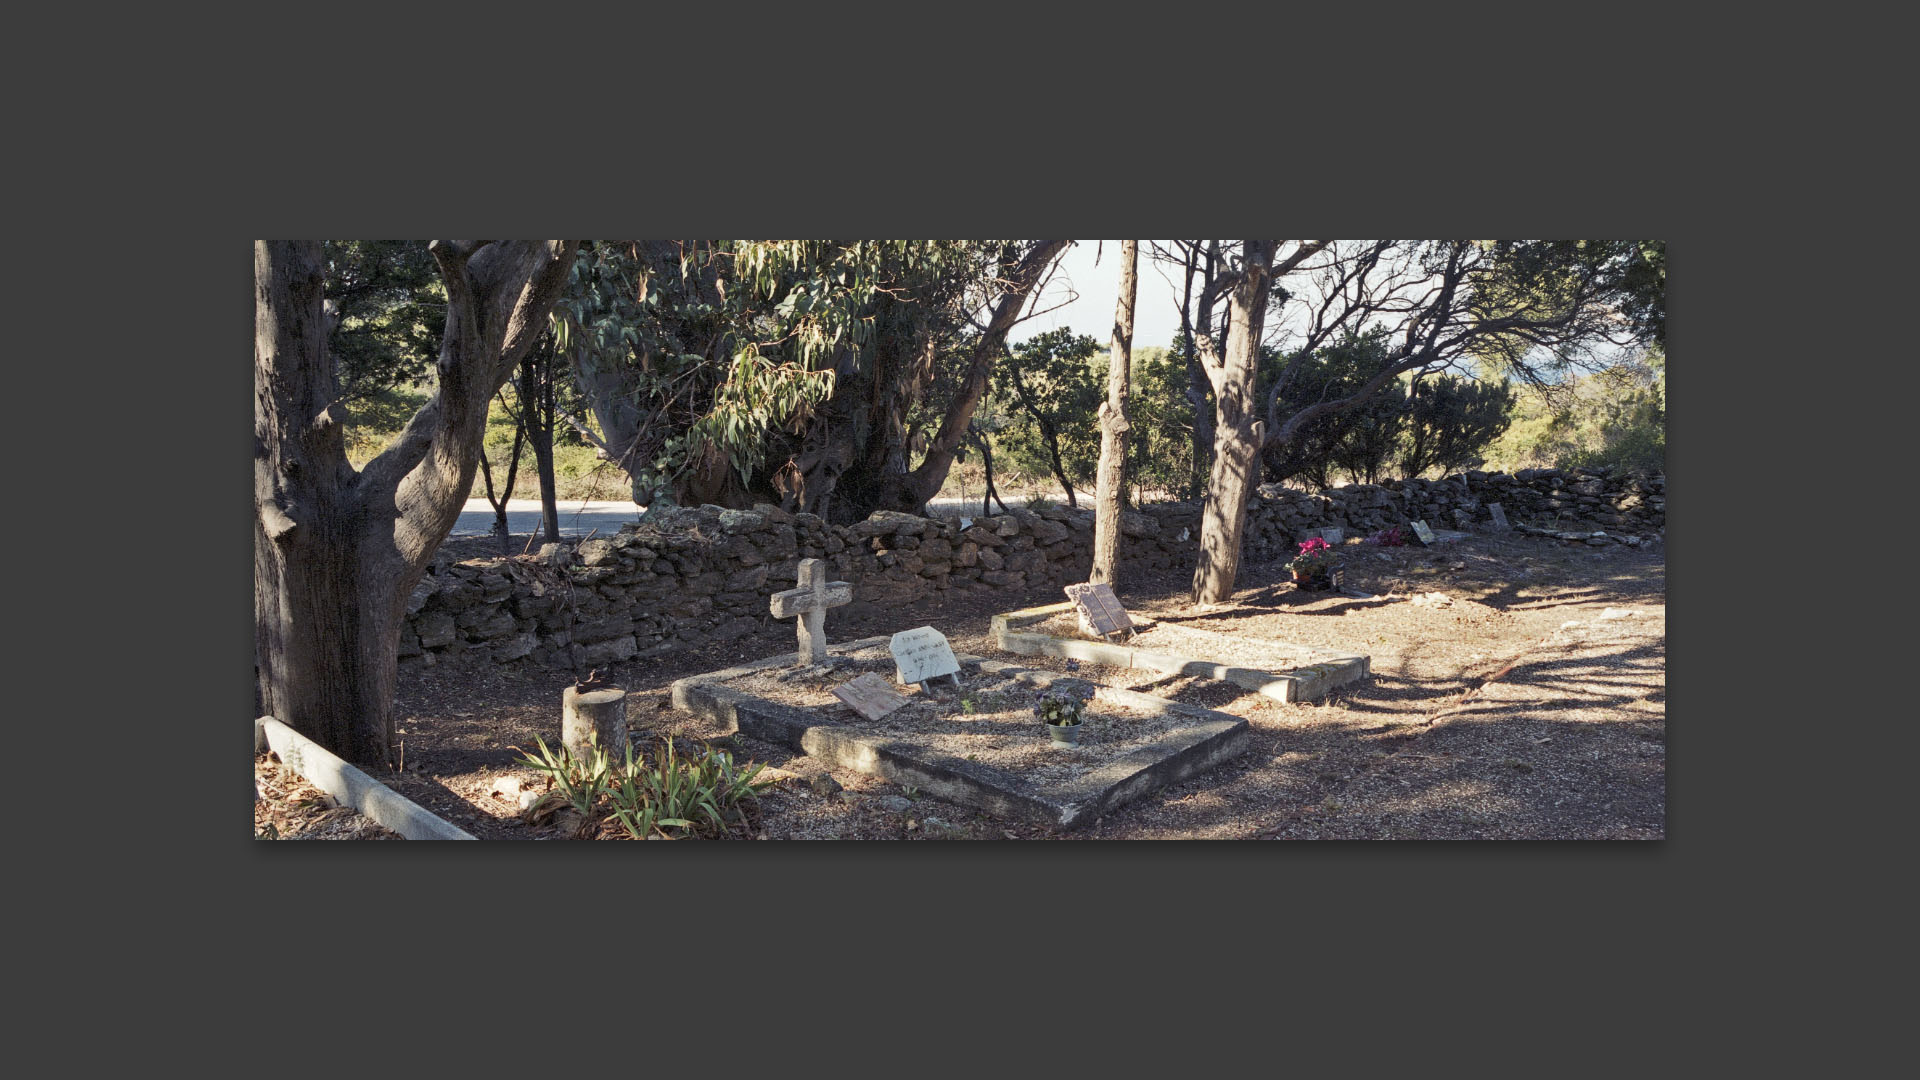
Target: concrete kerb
<point x="1212" y="738"/>
<point x="352" y="787"/>
<point x="1306" y="683"/>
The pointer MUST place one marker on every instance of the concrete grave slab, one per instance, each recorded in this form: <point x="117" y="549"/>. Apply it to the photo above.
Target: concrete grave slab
<point x="1187" y="751"/>
<point x="1306" y="682"/>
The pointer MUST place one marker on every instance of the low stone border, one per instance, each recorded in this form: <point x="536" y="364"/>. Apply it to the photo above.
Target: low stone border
<point x="352" y="787"/>
<point x="1212" y="738"/>
<point x="1308" y="683"/>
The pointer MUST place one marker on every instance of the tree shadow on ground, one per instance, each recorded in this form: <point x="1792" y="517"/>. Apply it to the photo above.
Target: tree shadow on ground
<point x="1571" y="757"/>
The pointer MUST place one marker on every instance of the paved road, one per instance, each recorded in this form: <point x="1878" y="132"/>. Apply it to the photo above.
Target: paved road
<point x="579" y="517"/>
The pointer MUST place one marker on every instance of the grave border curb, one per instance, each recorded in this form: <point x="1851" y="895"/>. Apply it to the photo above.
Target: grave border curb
<point x="353" y="787"/>
<point x="1308" y="683"/>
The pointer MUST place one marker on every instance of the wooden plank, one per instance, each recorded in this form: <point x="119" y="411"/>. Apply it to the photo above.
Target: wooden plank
<point x="869" y="695"/>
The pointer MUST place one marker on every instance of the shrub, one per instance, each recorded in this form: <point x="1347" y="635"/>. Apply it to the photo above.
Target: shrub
<point x="671" y="795"/>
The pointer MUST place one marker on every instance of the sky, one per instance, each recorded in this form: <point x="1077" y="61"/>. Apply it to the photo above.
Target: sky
<point x="1156" y="309"/>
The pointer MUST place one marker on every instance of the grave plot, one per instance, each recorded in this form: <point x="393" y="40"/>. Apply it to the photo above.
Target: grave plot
<point x="977" y="743"/>
<point x="1278" y="669"/>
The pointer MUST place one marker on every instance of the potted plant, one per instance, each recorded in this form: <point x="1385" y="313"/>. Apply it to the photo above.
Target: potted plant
<point x="1313" y="567"/>
<point x="1062" y="712"/>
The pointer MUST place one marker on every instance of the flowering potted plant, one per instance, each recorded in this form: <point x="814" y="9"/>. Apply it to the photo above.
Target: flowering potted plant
<point x="1313" y="567"/>
<point x="1062" y="713"/>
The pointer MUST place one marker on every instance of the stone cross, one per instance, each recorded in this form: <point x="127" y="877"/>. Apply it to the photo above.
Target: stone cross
<point x="810" y="601"/>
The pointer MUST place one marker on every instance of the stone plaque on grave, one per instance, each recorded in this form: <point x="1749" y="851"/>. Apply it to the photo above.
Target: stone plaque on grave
<point x="921" y="654"/>
<point x="1499" y="517"/>
<point x="869" y="695"/>
<point x="1421" y="530"/>
<point x="1331" y="535"/>
<point x="1100" y="610"/>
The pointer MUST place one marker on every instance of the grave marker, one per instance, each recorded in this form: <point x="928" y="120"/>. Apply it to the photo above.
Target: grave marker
<point x="921" y="654"/>
<point x="869" y="695"/>
<point x="810" y="601"/>
<point x="1425" y="534"/>
<point x="1100" y="610"/>
<point x="1331" y="535"/>
<point x="1499" y="517"/>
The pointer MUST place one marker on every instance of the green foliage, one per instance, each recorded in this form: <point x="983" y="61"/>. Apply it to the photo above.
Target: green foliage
<point x="1442" y="421"/>
<point x="1060" y="708"/>
<point x="671" y="795"/>
<point x="1161" y="454"/>
<point x="391" y="309"/>
<point x="577" y="784"/>
<point x="705" y="794"/>
<point x="1358" y="440"/>
<point x="721" y="346"/>
<point x="1614" y="418"/>
<point x="1450" y="421"/>
<point x="1050" y="388"/>
<point x="374" y="419"/>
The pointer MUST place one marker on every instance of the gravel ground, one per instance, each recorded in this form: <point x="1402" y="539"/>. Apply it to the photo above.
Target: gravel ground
<point x="1530" y="703"/>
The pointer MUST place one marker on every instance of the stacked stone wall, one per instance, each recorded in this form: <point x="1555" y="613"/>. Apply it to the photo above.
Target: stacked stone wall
<point x="702" y="575"/>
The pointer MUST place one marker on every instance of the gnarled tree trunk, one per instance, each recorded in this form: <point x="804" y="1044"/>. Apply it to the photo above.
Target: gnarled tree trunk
<point x="1237" y="428"/>
<point x="338" y="552"/>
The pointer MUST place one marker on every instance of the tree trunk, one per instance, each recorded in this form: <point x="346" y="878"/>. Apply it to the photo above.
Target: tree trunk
<point x="594" y="719"/>
<point x="1236" y="453"/>
<point x="1197" y="385"/>
<point x="1112" y="478"/>
<point x="537" y="408"/>
<point x="513" y="472"/>
<point x="337" y="553"/>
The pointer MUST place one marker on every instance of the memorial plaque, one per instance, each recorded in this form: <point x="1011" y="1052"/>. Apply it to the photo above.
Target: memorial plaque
<point x="1100" y="610"/>
<point x="921" y="654"/>
<point x="1421" y="530"/>
<point x="869" y="695"/>
<point x="1499" y="517"/>
<point x="1332" y="536"/>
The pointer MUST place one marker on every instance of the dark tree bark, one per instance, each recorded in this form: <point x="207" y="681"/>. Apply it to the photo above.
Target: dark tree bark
<point x="1111" y="480"/>
<point x="338" y="552"/>
<point x="513" y="471"/>
<point x="1198" y="388"/>
<point x="538" y="416"/>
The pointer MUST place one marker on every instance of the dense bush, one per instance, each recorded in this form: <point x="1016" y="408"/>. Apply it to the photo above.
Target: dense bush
<point x="1616" y="418"/>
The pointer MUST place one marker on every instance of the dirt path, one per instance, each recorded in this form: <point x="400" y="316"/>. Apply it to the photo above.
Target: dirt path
<point x="1485" y="717"/>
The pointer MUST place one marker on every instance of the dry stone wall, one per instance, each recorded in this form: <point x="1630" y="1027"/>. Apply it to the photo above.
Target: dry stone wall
<point x="705" y="575"/>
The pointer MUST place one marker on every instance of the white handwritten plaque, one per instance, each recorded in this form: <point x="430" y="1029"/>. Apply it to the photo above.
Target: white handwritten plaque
<point x="921" y="654"/>
<point x="1421" y="530"/>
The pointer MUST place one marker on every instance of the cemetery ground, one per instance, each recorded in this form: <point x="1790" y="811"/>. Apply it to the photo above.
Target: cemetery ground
<point x="1517" y="692"/>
